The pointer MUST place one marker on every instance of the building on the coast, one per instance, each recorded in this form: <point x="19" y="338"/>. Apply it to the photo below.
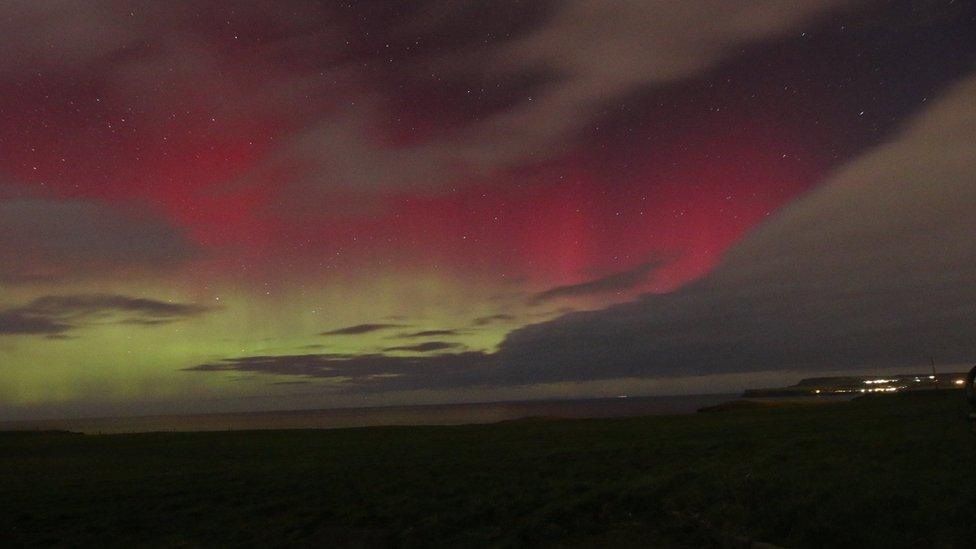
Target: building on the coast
<point x="847" y="385"/>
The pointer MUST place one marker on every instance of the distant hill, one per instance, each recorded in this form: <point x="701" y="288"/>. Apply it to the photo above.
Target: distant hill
<point x="839" y="385"/>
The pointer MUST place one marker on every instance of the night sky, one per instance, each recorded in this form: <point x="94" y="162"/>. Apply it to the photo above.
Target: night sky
<point x="211" y="206"/>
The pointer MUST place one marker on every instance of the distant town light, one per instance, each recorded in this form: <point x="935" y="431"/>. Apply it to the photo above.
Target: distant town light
<point x="959" y="382"/>
<point x="931" y="377"/>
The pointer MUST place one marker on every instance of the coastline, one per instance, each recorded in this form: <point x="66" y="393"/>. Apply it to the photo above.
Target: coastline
<point x="383" y="416"/>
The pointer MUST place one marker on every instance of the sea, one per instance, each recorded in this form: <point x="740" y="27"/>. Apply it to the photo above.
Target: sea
<point x="340" y="418"/>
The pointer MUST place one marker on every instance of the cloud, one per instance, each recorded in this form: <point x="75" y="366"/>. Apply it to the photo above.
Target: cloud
<point x="368" y="372"/>
<point x="616" y="282"/>
<point x="426" y="347"/>
<point x="55" y="316"/>
<point x="60" y="32"/>
<point x="361" y="329"/>
<point x="490" y="319"/>
<point x="603" y="51"/>
<point x="343" y="79"/>
<point x="872" y="269"/>
<point x="584" y="55"/>
<point x="13" y="322"/>
<point x="429" y="333"/>
<point x="44" y="240"/>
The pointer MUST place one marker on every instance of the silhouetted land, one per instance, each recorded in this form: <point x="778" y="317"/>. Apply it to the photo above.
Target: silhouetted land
<point x="884" y="471"/>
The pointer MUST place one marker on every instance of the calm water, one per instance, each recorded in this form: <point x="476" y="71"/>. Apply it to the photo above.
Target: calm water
<point x="447" y="414"/>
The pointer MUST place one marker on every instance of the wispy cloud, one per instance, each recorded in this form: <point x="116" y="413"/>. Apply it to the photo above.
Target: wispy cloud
<point x="45" y="240"/>
<point x="490" y="319"/>
<point x="359" y="329"/>
<point x="429" y="333"/>
<point x="368" y="372"/>
<point x="56" y="315"/>
<point x="616" y="282"/>
<point x="426" y="347"/>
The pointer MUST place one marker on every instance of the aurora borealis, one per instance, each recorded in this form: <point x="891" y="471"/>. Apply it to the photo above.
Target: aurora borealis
<point x="236" y="206"/>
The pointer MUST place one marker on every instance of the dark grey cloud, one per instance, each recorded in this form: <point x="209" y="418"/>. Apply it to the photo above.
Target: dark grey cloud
<point x="429" y="333"/>
<point x="490" y="319"/>
<point x="56" y="315"/>
<point x="368" y="372"/>
<point x="44" y="240"/>
<point x="14" y="322"/>
<point x="425" y="347"/>
<point x="359" y="329"/>
<point x="616" y="282"/>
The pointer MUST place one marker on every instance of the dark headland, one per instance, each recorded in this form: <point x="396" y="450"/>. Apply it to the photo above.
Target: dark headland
<point x="859" y="385"/>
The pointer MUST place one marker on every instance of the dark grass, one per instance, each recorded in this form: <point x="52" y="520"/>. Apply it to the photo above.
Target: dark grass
<point x="890" y="471"/>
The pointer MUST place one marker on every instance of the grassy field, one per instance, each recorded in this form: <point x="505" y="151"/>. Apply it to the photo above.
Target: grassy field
<point x="887" y="471"/>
